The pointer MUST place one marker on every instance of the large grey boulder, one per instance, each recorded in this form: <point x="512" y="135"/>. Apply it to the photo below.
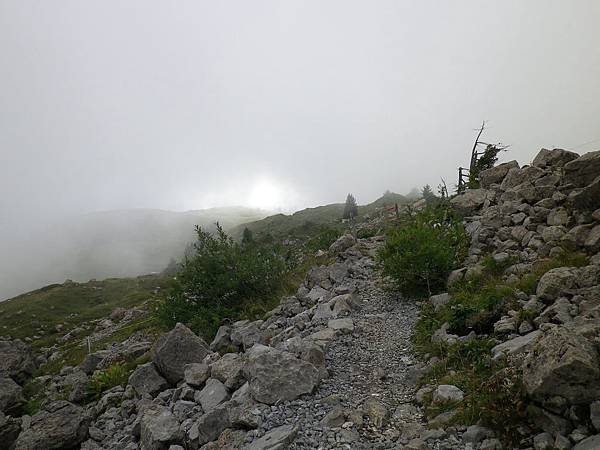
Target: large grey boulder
<point x="591" y="443"/>
<point x="229" y="370"/>
<point x="553" y="158"/>
<point x="277" y="439"/>
<point x="146" y="380"/>
<point x="61" y="425"/>
<point x="582" y="171"/>
<point x="245" y="334"/>
<point x="276" y="376"/>
<point x="196" y="374"/>
<point x="562" y="363"/>
<point x="17" y="361"/>
<point x="587" y="198"/>
<point x="210" y="425"/>
<point x="472" y="200"/>
<point x="175" y="349"/>
<point x="9" y="431"/>
<point x="496" y="174"/>
<point x="592" y="242"/>
<point x="222" y="339"/>
<point x="212" y="395"/>
<point x="342" y="243"/>
<point x="11" y="396"/>
<point x="159" y="429"/>
<point x="556" y="281"/>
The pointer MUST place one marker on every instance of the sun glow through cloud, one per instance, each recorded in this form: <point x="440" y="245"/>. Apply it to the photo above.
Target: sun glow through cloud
<point x="269" y="195"/>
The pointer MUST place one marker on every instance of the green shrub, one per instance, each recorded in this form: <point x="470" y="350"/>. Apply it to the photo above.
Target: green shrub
<point x="420" y="253"/>
<point x="477" y="307"/>
<point x="115" y="375"/>
<point x="222" y="279"/>
<point x="323" y="239"/>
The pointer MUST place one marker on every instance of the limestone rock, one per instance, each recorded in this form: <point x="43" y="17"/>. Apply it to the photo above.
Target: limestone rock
<point x="11" y="396"/>
<point x="146" y="380"/>
<point x="517" y="345"/>
<point x="9" y="430"/>
<point x="276" y="439"/>
<point x="376" y="411"/>
<point x="61" y="425"/>
<point x="472" y="200"/>
<point x="213" y="394"/>
<point x="553" y="158"/>
<point x="342" y="243"/>
<point x="245" y="334"/>
<point x="196" y="374"/>
<point x="222" y="339"/>
<point x="496" y="174"/>
<point x="592" y="242"/>
<point x="175" y="349"/>
<point x="583" y="170"/>
<point x="209" y="426"/>
<point x="591" y="443"/>
<point x="277" y="376"/>
<point x="587" y="198"/>
<point x="229" y="370"/>
<point x="345" y="325"/>
<point x="159" y="429"/>
<point x="17" y="361"/>
<point x="556" y="281"/>
<point x="564" y="364"/>
<point x="447" y="393"/>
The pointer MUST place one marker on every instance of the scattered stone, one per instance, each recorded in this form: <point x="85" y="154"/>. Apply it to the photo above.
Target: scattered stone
<point x="213" y="394"/>
<point x="276" y="439"/>
<point x="196" y="374"/>
<point x="446" y="393"/>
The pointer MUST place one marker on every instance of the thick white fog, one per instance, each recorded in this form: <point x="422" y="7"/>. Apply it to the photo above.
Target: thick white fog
<point x="110" y="105"/>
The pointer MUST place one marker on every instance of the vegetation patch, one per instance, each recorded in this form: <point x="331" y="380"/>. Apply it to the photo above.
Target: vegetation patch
<point x="494" y="395"/>
<point x="421" y="251"/>
<point x="224" y="279"/>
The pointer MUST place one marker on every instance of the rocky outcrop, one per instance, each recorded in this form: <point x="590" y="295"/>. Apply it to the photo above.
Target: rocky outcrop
<point x="11" y="396"/>
<point x="175" y="350"/>
<point x="61" y="425"/>
<point x="564" y="364"/>
<point x="276" y="376"/>
<point x="525" y="218"/>
<point x="17" y="361"/>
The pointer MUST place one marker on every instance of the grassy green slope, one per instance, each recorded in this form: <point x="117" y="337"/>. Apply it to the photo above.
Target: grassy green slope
<point x="282" y="225"/>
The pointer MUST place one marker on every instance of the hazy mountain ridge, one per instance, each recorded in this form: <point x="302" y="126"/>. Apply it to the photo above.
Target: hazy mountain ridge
<point x="120" y="243"/>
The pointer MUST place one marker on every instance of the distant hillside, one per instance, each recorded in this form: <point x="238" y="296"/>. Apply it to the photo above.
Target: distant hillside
<point x="120" y="243"/>
<point x="281" y="225"/>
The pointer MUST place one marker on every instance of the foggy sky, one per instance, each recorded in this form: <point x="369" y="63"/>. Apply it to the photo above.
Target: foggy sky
<point x="189" y="104"/>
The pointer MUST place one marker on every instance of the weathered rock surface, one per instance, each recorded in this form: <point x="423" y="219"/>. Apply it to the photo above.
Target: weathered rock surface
<point x="175" y="349"/>
<point x="61" y="425"/>
<point x="159" y="429"/>
<point x="146" y="380"/>
<point x="17" y="361"/>
<point x="275" y="376"/>
<point x="563" y="364"/>
<point x="11" y="396"/>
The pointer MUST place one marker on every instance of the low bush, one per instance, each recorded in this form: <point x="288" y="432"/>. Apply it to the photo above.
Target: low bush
<point x="115" y="375"/>
<point x="222" y="278"/>
<point x="325" y="237"/>
<point x="421" y="251"/>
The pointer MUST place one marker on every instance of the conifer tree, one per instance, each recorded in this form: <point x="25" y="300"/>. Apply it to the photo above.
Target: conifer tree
<point x="351" y="208"/>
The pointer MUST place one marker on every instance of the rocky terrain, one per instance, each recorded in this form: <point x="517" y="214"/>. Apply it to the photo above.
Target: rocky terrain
<point x="333" y="366"/>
